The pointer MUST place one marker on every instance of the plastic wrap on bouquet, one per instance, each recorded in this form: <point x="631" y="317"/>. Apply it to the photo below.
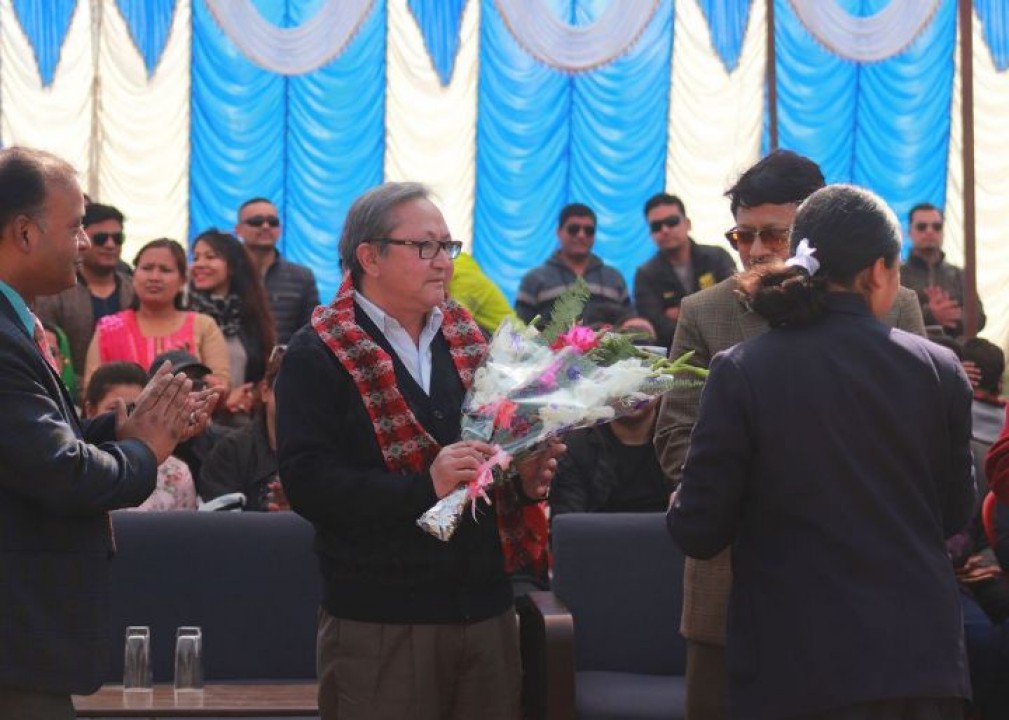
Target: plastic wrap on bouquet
<point x="528" y="391"/>
<point x="443" y="519"/>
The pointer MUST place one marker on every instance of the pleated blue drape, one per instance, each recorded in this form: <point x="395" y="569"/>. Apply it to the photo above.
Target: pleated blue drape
<point x="727" y="21"/>
<point x="45" y="24"/>
<point x="238" y="121"/>
<point x="882" y="125"/>
<point x="335" y="146"/>
<point x="994" y="16"/>
<point x="546" y="138"/>
<point x="522" y="160"/>
<point x="619" y="133"/>
<point x="439" y="24"/>
<point x="310" y="143"/>
<point x="149" y="22"/>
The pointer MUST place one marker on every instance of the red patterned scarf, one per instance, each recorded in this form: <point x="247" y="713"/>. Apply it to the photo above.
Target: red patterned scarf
<point x="406" y="445"/>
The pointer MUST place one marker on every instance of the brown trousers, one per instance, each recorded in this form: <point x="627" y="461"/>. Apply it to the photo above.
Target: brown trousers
<point x="373" y="671"/>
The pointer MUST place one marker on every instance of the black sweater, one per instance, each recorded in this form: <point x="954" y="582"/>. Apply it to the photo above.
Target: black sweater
<point x="377" y="565"/>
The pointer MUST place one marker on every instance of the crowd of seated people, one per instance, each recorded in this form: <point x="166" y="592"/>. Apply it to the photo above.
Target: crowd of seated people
<point x="212" y="318"/>
<point x="157" y="320"/>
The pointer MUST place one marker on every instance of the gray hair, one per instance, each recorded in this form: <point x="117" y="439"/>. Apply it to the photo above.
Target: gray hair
<point x="26" y="176"/>
<point x="371" y="217"/>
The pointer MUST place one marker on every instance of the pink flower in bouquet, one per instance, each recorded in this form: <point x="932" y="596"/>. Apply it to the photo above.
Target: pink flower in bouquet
<point x="579" y="337"/>
<point x="504" y="413"/>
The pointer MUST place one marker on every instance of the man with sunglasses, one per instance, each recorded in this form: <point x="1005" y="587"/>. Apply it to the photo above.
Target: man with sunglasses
<point x="938" y="283"/>
<point x="290" y="287"/>
<point x="103" y="287"/>
<point x="576" y="234"/>
<point x="679" y="268"/>
<point x="763" y="203"/>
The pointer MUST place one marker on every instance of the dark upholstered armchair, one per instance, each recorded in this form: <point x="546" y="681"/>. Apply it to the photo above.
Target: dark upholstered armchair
<point x="250" y="580"/>
<point x="605" y="643"/>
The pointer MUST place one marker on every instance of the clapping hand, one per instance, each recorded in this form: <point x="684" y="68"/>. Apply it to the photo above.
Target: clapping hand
<point x="161" y="415"/>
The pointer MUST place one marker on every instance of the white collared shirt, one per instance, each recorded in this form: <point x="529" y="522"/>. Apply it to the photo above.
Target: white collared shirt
<point x="416" y="358"/>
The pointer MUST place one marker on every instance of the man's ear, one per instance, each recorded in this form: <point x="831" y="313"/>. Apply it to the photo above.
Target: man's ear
<point x="21" y="230"/>
<point x="367" y="256"/>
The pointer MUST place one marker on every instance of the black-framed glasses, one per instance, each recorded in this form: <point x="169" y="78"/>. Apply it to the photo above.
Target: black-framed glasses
<point x="427" y="249"/>
<point x="258" y="221"/>
<point x="100" y="238"/>
<point x="773" y="238"/>
<point x="923" y="226"/>
<point x="573" y="229"/>
<point x="669" y="222"/>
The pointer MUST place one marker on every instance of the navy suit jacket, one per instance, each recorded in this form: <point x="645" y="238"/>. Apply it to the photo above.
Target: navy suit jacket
<point x="55" y="542"/>
<point x="835" y="459"/>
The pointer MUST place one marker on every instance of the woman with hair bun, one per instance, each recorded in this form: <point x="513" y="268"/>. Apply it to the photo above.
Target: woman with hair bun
<point x="833" y="454"/>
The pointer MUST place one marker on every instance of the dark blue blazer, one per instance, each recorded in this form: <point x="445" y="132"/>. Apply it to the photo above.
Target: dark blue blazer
<point x="55" y="543"/>
<point x="835" y="460"/>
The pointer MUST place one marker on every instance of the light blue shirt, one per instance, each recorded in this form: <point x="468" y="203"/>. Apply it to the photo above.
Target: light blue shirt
<point x="20" y="307"/>
<point x="416" y="357"/>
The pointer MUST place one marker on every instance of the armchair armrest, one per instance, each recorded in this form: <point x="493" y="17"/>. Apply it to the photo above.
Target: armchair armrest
<point x="546" y="633"/>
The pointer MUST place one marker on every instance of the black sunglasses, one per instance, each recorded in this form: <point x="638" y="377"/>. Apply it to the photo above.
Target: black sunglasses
<point x="670" y="222"/>
<point x="573" y="229"/>
<point x="100" y="238"/>
<point x="261" y="220"/>
<point x="923" y="226"/>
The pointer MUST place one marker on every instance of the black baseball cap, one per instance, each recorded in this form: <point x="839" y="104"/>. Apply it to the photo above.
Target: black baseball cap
<point x="181" y="362"/>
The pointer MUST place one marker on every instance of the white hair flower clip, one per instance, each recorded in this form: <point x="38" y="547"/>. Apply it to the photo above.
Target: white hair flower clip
<point x="804" y="257"/>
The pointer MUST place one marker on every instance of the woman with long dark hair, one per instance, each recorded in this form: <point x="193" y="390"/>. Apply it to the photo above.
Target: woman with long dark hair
<point x="833" y="454"/>
<point x="224" y="285"/>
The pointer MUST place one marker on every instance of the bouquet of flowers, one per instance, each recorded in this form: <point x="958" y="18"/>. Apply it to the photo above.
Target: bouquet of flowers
<point x="533" y="386"/>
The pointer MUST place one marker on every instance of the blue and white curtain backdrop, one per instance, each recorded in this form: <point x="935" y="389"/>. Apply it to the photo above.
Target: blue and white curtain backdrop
<point x="178" y="110"/>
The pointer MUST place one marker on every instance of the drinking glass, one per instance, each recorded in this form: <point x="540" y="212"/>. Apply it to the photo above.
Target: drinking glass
<point x="188" y="658"/>
<point x="137" y="658"/>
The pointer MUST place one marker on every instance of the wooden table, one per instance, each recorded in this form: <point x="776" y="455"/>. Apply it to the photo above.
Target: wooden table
<point x="215" y="700"/>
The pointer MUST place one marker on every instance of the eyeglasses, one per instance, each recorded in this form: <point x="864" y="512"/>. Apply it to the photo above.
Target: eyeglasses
<point x="428" y="249"/>
<point x="100" y="238"/>
<point x="670" y="222"/>
<point x="774" y="239"/>
<point x="923" y="226"/>
<point x="257" y="221"/>
<point x="573" y="229"/>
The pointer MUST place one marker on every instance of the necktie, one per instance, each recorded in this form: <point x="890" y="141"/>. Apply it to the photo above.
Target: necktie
<point x="43" y="345"/>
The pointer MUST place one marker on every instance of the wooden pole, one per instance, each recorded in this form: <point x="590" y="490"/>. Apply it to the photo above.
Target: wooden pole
<point x="967" y="119"/>
<point x="772" y="79"/>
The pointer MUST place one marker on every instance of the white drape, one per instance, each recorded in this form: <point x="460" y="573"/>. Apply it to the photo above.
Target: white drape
<point x="865" y="39"/>
<point x="57" y="118"/>
<point x="991" y="188"/>
<point x="291" y="51"/>
<point x="430" y="129"/>
<point x="142" y="134"/>
<point x="559" y="44"/>
<point x="714" y="118"/>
